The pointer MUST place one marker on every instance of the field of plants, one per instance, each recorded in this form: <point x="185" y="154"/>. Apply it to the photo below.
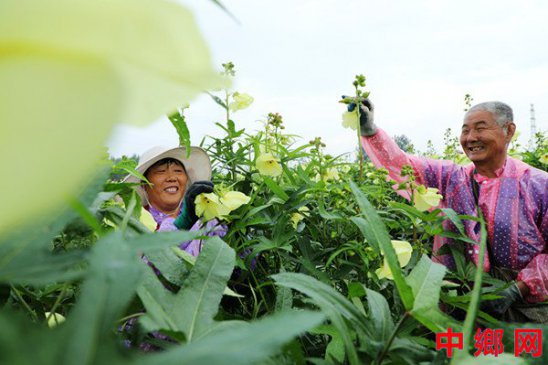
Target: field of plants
<point x="324" y="262"/>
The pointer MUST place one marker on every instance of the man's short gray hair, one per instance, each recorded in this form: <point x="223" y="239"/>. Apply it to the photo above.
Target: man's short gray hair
<point x="501" y="112"/>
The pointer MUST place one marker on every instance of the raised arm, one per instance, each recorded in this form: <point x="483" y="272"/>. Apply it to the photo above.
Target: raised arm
<point x="384" y="152"/>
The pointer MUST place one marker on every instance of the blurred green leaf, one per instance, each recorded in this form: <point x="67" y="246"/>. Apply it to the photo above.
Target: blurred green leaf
<point x="245" y="344"/>
<point x="109" y="286"/>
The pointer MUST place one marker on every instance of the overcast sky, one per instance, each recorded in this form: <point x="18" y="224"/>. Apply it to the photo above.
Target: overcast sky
<point x="420" y="58"/>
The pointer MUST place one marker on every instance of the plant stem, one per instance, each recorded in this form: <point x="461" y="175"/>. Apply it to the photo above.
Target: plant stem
<point x="468" y="327"/>
<point x="57" y="302"/>
<point x="391" y="339"/>
<point x="359" y="133"/>
<point x="25" y="304"/>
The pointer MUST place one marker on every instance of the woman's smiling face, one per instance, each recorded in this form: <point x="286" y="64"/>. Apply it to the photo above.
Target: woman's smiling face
<point x="168" y="179"/>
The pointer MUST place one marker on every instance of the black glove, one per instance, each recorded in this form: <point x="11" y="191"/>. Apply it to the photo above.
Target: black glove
<point x="367" y="126"/>
<point x="497" y="307"/>
<point x="187" y="217"/>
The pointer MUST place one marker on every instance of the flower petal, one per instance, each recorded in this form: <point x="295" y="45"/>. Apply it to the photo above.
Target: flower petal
<point x="268" y="165"/>
<point x="232" y="200"/>
<point x="350" y="120"/>
<point x="70" y="70"/>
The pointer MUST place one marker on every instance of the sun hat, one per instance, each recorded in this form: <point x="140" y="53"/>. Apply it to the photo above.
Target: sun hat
<point x="197" y="165"/>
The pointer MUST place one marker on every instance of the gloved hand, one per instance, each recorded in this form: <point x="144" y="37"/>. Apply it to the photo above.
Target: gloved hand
<point x="187" y="217"/>
<point x="498" y="307"/>
<point x="367" y="126"/>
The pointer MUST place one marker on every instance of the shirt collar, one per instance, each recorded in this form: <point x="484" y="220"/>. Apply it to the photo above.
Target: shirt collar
<point x="498" y="173"/>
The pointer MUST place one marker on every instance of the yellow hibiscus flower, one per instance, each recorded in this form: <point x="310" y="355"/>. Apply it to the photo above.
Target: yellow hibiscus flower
<point x="350" y="120"/>
<point x="544" y="159"/>
<point x="240" y="101"/>
<point x="426" y="198"/>
<point x="209" y="206"/>
<point x="268" y="165"/>
<point x="297" y="217"/>
<point x="403" y="252"/>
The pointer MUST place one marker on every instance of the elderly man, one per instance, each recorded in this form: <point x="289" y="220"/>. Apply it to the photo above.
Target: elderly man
<point x="512" y="196"/>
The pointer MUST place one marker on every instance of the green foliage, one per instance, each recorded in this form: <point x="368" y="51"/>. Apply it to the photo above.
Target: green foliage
<point x="293" y="281"/>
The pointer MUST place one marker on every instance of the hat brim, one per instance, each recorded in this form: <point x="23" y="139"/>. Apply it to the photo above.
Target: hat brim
<point x="197" y="166"/>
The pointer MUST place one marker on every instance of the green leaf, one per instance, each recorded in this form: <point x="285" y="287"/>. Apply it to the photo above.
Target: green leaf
<point x="179" y="122"/>
<point x="192" y="309"/>
<point x="377" y="233"/>
<point x="425" y="280"/>
<point x="336" y="307"/>
<point x="109" y="286"/>
<point x="454" y="217"/>
<point x="246" y="344"/>
<point x="276" y="189"/>
<point x="335" y="348"/>
<point x="409" y="210"/>
<point x="367" y="231"/>
<point x="220" y="102"/>
<point x="379" y="313"/>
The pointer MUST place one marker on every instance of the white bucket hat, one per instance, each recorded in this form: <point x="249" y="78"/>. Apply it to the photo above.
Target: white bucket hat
<point x="197" y="165"/>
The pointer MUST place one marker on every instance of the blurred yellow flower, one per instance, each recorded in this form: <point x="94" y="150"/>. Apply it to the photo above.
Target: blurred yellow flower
<point x="209" y="206"/>
<point x="54" y="319"/>
<point x="268" y="165"/>
<point x="84" y="66"/>
<point x="330" y="174"/>
<point x="240" y="101"/>
<point x="426" y="198"/>
<point x="297" y="217"/>
<point x="403" y="252"/>
<point x="232" y="200"/>
<point x="350" y="120"/>
<point x="147" y="220"/>
<point x="544" y="159"/>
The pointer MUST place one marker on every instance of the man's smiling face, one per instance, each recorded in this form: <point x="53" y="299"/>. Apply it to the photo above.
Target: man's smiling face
<point x="483" y="140"/>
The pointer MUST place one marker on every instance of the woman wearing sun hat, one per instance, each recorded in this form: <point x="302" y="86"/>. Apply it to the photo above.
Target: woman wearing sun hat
<point x="174" y="182"/>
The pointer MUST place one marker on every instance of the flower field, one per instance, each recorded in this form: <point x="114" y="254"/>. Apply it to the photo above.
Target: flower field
<point x="324" y="260"/>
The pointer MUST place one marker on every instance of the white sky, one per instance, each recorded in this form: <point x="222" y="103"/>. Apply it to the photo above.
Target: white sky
<point x="420" y="58"/>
